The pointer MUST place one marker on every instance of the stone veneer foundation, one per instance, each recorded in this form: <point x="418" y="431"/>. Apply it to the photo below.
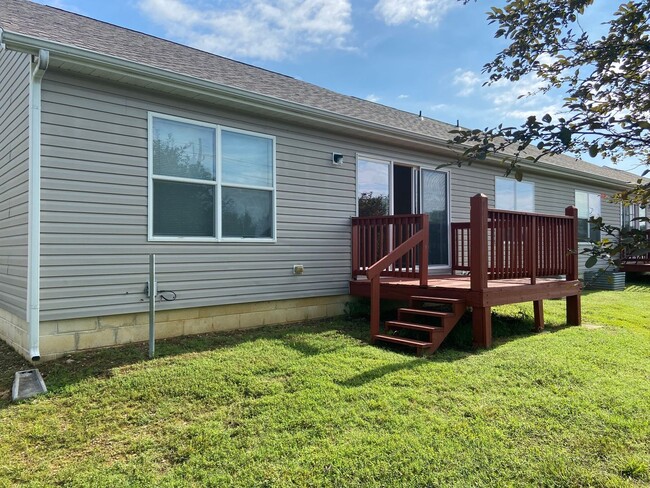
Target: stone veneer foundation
<point x="61" y="337"/>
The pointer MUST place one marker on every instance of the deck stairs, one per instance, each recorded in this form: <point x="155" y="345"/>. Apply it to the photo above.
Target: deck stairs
<point x="424" y="324"/>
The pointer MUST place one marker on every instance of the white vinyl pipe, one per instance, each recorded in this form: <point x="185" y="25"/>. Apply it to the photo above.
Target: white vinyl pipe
<point x="38" y="68"/>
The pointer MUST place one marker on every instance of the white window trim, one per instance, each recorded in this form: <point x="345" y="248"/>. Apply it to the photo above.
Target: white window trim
<point x="532" y="183"/>
<point x="217" y="182"/>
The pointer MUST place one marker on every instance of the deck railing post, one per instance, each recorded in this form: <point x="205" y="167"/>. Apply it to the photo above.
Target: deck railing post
<point x="533" y="251"/>
<point x="424" y="252"/>
<point x="573" y="306"/>
<point x="479" y="248"/>
<point x="572" y="252"/>
<point x="355" y="248"/>
<point x="481" y="316"/>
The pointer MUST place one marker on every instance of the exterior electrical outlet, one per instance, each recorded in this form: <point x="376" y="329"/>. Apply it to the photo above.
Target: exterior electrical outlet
<point x="298" y="269"/>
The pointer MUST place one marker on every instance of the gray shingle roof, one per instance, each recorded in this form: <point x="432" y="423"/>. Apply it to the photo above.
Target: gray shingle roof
<point x="55" y="25"/>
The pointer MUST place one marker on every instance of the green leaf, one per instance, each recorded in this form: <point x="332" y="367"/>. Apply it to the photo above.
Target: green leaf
<point x="547" y="118"/>
<point x="565" y="136"/>
<point x="591" y="262"/>
<point x="593" y="150"/>
<point x="519" y="174"/>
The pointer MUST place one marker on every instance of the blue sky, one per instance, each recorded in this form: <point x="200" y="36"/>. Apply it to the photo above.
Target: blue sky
<point x="415" y="55"/>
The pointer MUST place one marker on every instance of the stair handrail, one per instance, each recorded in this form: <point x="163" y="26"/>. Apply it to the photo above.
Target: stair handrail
<point x="373" y="273"/>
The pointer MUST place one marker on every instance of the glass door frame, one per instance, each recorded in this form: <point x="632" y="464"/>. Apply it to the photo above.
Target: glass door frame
<point x="417" y="193"/>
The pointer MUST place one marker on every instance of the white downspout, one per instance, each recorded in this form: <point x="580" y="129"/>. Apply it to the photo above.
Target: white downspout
<point x="39" y="65"/>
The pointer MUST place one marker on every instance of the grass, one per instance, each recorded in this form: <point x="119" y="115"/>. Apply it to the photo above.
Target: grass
<point x="315" y="405"/>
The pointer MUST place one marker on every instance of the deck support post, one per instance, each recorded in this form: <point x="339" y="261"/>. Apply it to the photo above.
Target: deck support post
<point x="573" y="310"/>
<point x="538" y="307"/>
<point x="482" y="327"/>
<point x="573" y="305"/>
<point x="481" y="316"/>
<point x="375" y="307"/>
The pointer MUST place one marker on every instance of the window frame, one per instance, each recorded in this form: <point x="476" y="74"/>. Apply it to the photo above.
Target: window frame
<point x="217" y="183"/>
<point x="600" y="213"/>
<point x="516" y="183"/>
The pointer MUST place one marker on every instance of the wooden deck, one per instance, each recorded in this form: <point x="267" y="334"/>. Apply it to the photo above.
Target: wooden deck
<point x="498" y="292"/>
<point x="503" y="257"/>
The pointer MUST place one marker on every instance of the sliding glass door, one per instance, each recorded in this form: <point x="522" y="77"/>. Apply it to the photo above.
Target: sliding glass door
<point x="391" y="188"/>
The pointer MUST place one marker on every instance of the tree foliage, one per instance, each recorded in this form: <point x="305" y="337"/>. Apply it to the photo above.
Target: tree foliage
<point x="605" y="80"/>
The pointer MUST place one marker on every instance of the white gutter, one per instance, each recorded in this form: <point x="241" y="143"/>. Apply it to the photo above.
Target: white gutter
<point x="38" y="68"/>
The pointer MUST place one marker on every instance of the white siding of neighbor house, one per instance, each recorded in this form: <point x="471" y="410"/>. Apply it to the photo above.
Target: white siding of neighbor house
<point x="14" y="180"/>
<point x="94" y="206"/>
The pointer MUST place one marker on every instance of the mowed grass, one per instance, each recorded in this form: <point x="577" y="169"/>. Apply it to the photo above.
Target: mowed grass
<point x="315" y="405"/>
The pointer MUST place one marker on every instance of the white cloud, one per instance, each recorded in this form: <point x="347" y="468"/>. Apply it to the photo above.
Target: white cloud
<point x="402" y="97"/>
<point x="394" y="12"/>
<point x="467" y="81"/>
<point x="262" y="29"/>
<point x="507" y="101"/>
<point x="372" y="98"/>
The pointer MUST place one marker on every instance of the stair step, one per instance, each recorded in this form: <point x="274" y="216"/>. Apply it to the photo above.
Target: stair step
<point x="403" y="341"/>
<point x="426" y="313"/>
<point x="452" y="301"/>
<point x="398" y="324"/>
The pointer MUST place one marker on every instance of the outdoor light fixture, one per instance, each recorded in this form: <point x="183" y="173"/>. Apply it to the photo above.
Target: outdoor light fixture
<point x="337" y="159"/>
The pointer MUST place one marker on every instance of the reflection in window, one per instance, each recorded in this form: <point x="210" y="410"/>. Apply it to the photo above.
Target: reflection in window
<point x="247" y="213"/>
<point x="373" y="188"/>
<point x="434" y="203"/>
<point x="246" y="159"/>
<point x="182" y="209"/>
<point x="183" y="150"/>
<point x="516" y="195"/>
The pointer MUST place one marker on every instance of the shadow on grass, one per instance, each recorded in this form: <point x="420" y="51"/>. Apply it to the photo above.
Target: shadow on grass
<point x="376" y="373"/>
<point x="99" y="363"/>
<point x="80" y="366"/>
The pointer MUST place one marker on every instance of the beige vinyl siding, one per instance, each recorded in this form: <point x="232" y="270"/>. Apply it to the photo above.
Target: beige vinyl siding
<point x="14" y="181"/>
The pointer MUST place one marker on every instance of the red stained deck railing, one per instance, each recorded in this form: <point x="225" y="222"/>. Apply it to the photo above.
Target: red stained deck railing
<point x="394" y="245"/>
<point x="374" y="238"/>
<point x="642" y="259"/>
<point x="515" y="244"/>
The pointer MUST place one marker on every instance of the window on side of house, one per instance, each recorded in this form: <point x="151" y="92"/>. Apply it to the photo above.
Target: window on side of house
<point x="209" y="182"/>
<point x="631" y="217"/>
<point x="588" y="205"/>
<point x="511" y="194"/>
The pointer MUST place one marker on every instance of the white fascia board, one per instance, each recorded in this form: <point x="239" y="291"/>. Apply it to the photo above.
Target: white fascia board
<point x="85" y="57"/>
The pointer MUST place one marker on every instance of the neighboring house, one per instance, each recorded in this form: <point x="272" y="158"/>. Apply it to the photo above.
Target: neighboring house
<point x="115" y="144"/>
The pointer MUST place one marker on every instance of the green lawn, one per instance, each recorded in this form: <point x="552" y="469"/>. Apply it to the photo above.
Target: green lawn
<point x="315" y="405"/>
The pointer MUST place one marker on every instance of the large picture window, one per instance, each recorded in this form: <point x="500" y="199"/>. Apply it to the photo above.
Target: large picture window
<point x="588" y="205"/>
<point x="209" y="182"/>
<point x="511" y="194"/>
